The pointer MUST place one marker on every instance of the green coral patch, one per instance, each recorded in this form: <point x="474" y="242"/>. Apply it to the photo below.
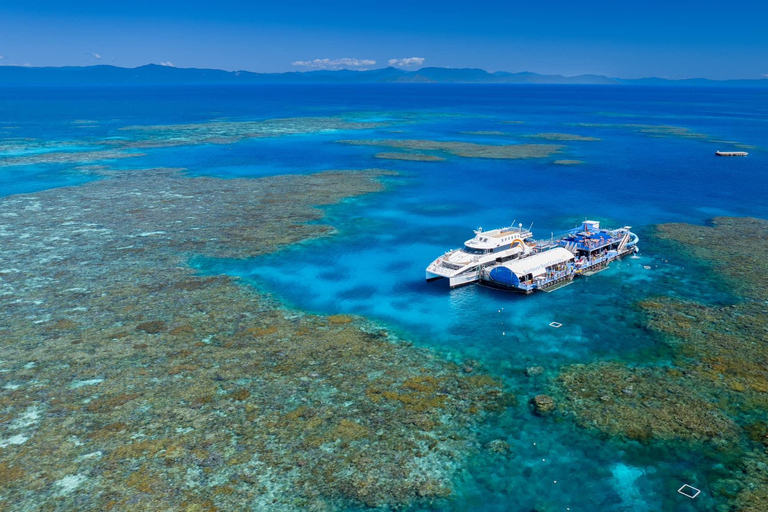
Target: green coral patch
<point x="664" y="130"/>
<point x="413" y="157"/>
<point x="717" y="389"/>
<point x="622" y="400"/>
<point x="562" y="137"/>
<point x="138" y="385"/>
<point x="486" y="132"/>
<point x="465" y="149"/>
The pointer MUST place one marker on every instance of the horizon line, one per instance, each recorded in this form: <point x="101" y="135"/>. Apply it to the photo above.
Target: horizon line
<point x="366" y="70"/>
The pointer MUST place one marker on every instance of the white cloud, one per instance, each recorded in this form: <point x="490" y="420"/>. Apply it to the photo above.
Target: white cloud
<point x="96" y="56"/>
<point x="407" y="62"/>
<point x="167" y="64"/>
<point x="26" y="65"/>
<point x="2" y="57"/>
<point x="344" y="63"/>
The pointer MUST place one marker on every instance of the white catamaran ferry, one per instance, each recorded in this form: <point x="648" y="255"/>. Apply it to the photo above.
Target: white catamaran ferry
<point x="463" y="266"/>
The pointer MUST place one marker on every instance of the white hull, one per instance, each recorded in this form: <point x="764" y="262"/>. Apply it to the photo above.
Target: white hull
<point x="432" y="277"/>
<point x="462" y="266"/>
<point x="470" y="277"/>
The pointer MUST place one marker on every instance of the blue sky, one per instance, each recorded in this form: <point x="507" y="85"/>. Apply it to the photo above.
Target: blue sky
<point x="673" y="38"/>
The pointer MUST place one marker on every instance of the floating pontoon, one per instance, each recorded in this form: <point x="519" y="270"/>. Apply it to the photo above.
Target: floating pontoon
<point x="584" y="250"/>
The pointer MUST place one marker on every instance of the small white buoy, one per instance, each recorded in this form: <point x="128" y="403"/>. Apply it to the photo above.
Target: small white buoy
<point x="503" y="334"/>
<point x="647" y="267"/>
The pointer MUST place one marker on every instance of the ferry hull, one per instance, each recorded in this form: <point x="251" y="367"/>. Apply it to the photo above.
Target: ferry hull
<point x="432" y="277"/>
<point x="464" y="279"/>
<point x="455" y="281"/>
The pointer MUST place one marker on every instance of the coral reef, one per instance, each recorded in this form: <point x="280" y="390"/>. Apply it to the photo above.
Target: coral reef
<point x="543" y="405"/>
<point x="228" y="132"/>
<point x="663" y="130"/>
<point x="716" y="389"/>
<point x="562" y="137"/>
<point x="68" y="157"/>
<point x="642" y="403"/>
<point x="31" y="151"/>
<point x="465" y="149"/>
<point x="733" y="246"/>
<point x="130" y="383"/>
<point x="414" y="157"/>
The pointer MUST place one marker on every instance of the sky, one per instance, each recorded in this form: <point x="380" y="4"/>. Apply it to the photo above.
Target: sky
<point x="619" y="38"/>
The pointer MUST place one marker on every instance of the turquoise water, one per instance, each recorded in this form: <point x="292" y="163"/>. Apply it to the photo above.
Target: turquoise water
<point x="375" y="265"/>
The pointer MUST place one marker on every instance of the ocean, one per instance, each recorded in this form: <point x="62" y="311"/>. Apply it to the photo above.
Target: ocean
<point x="626" y="156"/>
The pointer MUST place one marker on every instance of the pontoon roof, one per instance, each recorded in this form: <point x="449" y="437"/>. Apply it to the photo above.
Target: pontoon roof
<point x="537" y="264"/>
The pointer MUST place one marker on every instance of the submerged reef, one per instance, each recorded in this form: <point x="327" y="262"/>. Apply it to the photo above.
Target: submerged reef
<point x="413" y="157"/>
<point x="227" y="131"/>
<point x="734" y="246"/>
<point x="562" y="137"/>
<point x="664" y="130"/>
<point x="131" y="383"/>
<point x="568" y="162"/>
<point x="486" y="132"/>
<point x="629" y="401"/>
<point x="67" y="157"/>
<point x="465" y="149"/>
<point x="715" y="391"/>
<point x="32" y="151"/>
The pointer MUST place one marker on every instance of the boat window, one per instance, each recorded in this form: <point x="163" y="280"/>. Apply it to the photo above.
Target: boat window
<point x="471" y="250"/>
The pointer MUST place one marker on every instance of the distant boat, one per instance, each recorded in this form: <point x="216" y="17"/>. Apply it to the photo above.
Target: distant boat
<point x="731" y="153"/>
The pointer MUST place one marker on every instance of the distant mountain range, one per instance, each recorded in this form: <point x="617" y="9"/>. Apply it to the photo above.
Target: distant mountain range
<point x="154" y="74"/>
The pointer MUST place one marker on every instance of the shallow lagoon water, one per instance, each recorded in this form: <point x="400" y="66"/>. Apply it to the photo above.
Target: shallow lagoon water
<point x="375" y="265"/>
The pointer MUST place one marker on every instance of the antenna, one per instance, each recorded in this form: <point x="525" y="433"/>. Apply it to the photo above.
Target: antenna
<point x="521" y="228"/>
<point x="529" y="227"/>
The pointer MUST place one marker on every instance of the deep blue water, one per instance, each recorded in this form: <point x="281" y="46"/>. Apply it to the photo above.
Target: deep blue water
<point x="375" y="265"/>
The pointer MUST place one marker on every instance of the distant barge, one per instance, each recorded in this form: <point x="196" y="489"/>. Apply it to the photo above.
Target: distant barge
<point x="731" y="153"/>
<point x="537" y="265"/>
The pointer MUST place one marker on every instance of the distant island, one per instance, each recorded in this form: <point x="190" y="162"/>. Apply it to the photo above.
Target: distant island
<point x="157" y="74"/>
